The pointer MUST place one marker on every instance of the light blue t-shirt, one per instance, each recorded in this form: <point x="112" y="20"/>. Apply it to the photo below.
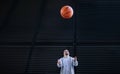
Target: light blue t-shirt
<point x="67" y="65"/>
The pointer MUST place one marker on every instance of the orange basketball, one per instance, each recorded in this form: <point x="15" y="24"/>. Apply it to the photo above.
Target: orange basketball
<point x="66" y="12"/>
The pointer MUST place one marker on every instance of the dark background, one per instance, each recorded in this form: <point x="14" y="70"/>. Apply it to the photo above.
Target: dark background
<point x="98" y="35"/>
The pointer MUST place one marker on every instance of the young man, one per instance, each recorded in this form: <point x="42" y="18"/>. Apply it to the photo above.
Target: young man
<point x="67" y="63"/>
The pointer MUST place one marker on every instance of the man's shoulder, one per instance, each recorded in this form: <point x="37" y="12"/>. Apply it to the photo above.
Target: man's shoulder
<point x="71" y="57"/>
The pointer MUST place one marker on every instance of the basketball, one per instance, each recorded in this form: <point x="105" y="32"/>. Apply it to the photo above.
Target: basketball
<point x="66" y="12"/>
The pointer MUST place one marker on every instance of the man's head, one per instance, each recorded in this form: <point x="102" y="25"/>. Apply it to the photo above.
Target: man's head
<point x="66" y="52"/>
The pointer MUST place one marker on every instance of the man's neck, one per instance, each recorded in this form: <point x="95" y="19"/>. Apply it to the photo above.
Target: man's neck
<point x="66" y="56"/>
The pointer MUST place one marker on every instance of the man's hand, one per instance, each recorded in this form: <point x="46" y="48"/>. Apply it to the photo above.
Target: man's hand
<point x="75" y="58"/>
<point x="58" y="62"/>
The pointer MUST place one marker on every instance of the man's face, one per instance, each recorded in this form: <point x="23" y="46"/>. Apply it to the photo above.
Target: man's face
<point x="66" y="52"/>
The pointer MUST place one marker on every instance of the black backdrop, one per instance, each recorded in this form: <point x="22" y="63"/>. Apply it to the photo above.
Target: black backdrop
<point x="98" y="35"/>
